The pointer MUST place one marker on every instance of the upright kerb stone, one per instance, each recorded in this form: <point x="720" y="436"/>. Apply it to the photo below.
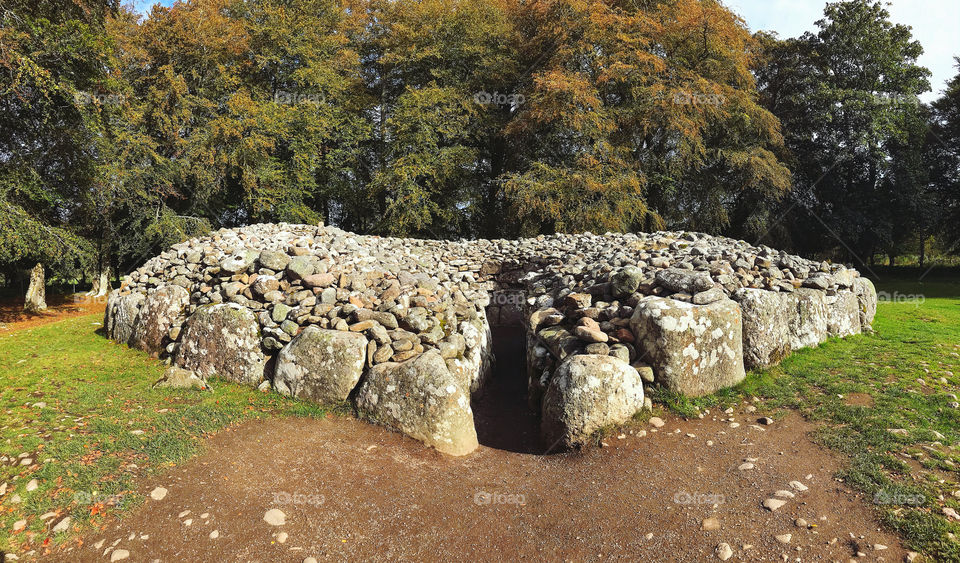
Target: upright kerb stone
<point x="160" y="309"/>
<point x="843" y="314"/>
<point x="587" y="393"/>
<point x="808" y="327"/>
<point x="422" y="399"/>
<point x="693" y="349"/>
<point x="766" y="317"/>
<point x="866" y="301"/>
<point x="321" y="365"/>
<point x="222" y="340"/>
<point x="121" y="314"/>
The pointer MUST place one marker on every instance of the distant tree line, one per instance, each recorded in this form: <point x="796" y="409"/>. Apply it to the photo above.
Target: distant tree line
<point x="122" y="134"/>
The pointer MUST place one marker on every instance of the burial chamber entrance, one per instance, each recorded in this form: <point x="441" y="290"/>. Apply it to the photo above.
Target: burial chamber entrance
<point x="502" y="413"/>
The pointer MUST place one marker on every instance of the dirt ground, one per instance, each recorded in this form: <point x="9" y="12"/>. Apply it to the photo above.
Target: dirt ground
<point x="59" y="307"/>
<point x="353" y="491"/>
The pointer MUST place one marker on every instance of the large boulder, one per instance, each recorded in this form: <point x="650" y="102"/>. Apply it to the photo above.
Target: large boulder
<point x="693" y="349"/>
<point x="120" y="315"/>
<point x="222" y="340"/>
<point x="586" y="393"/>
<point x="866" y="301"/>
<point x="323" y="366"/>
<point x="422" y="399"/>
<point x="808" y="327"/>
<point x="843" y="314"/>
<point x="766" y="319"/>
<point x="160" y="309"/>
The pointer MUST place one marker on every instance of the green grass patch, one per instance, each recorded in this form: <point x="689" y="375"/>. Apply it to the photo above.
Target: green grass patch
<point x="909" y="368"/>
<point x="82" y="409"/>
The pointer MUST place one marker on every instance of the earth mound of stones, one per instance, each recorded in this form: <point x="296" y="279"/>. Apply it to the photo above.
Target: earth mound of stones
<point x="402" y="327"/>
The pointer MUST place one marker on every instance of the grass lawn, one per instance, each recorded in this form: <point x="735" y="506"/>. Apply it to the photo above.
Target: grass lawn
<point x="886" y="400"/>
<point x="82" y="409"/>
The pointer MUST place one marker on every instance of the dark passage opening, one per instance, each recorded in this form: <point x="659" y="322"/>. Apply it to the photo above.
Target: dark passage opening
<point x="502" y="416"/>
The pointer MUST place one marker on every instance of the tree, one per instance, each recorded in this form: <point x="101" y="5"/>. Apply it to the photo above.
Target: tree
<point x="944" y="158"/>
<point x="642" y="115"/>
<point x="847" y="98"/>
<point x="50" y="84"/>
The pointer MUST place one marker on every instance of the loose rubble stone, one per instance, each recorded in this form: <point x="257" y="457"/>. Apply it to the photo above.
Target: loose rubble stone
<point x="772" y="504"/>
<point x="159" y="493"/>
<point x="275" y="517"/>
<point x="179" y="378"/>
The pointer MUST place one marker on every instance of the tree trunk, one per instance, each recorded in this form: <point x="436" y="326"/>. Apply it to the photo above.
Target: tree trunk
<point x="923" y="249"/>
<point x="36" y="294"/>
<point x="101" y="283"/>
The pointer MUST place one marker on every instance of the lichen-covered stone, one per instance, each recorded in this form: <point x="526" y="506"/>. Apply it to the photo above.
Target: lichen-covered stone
<point x="222" y="340"/>
<point x="808" y="328"/>
<point x="766" y="317"/>
<point x="843" y="314"/>
<point x="693" y="349"/>
<point x="866" y="301"/>
<point x="159" y="311"/>
<point x="178" y="378"/>
<point x="120" y="315"/>
<point x="422" y="399"/>
<point x="586" y="393"/>
<point x="274" y="260"/>
<point x="626" y="281"/>
<point x="474" y="366"/>
<point x="322" y="366"/>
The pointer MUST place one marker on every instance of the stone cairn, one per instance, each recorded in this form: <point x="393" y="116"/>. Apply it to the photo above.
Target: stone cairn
<point x="402" y="327"/>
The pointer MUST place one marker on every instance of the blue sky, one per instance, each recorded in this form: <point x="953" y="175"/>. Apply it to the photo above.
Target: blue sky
<point x="934" y="22"/>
